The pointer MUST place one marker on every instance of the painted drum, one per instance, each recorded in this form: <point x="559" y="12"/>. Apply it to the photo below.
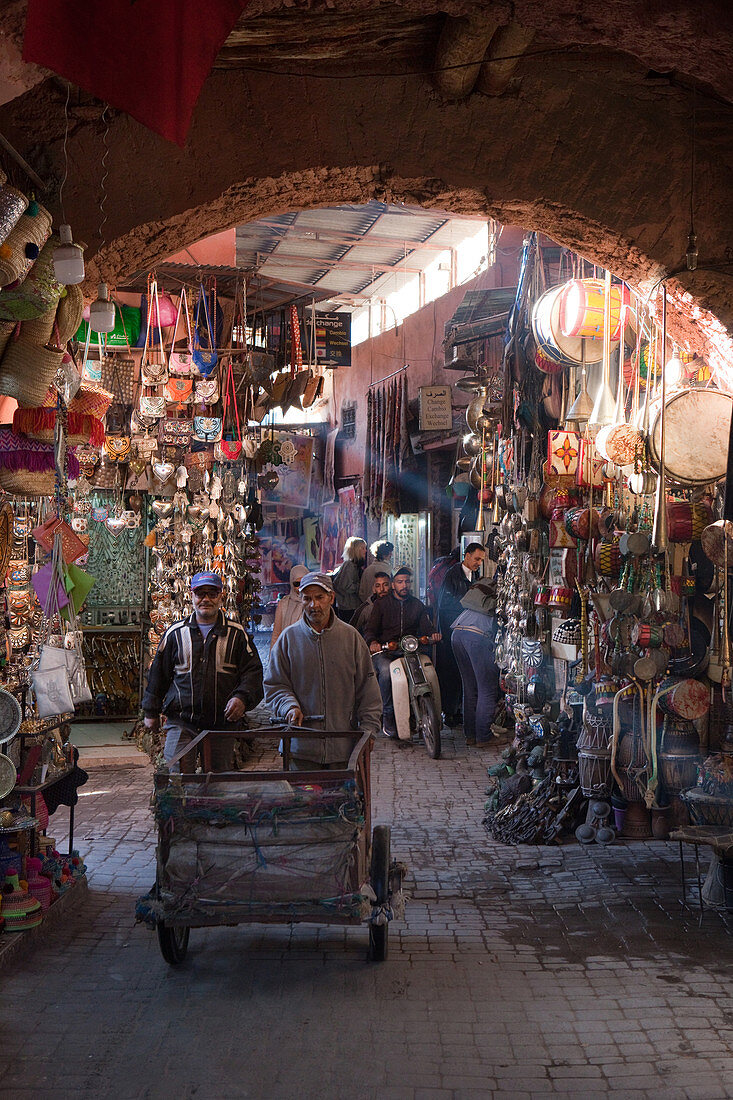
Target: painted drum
<point x="692" y="416"/>
<point x="582" y="304"/>
<point x="688" y="699"/>
<point x="686" y="520"/>
<point x="608" y="557"/>
<point x="560" y="597"/>
<point x="549" y="338"/>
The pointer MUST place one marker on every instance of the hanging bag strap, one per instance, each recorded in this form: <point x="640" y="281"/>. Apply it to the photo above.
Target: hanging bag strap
<point x="231" y="450"/>
<point x="153" y="297"/>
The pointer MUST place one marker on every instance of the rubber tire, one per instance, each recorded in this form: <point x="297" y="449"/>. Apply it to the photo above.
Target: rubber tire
<point x="428" y="721"/>
<point x="173" y="943"/>
<point x="379" y="876"/>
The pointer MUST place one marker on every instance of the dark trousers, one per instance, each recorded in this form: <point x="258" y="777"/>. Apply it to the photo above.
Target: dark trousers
<point x="474" y="653"/>
<point x="382" y="665"/>
<point x="449" y="677"/>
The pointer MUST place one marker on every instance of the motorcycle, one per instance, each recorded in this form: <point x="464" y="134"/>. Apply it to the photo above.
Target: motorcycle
<point x="415" y="693"/>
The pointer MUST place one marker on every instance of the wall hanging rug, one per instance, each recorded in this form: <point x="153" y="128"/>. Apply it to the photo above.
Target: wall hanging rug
<point x="388" y="450"/>
<point x="27" y="467"/>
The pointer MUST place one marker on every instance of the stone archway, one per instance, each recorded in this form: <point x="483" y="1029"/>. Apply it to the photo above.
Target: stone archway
<point x="591" y="148"/>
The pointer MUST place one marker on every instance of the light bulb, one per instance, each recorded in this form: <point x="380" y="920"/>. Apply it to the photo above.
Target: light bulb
<point x="102" y="312"/>
<point x="691" y="254"/>
<point x="68" y="259"/>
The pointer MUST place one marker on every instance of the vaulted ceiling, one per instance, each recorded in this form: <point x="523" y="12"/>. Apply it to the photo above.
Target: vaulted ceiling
<point x="568" y="116"/>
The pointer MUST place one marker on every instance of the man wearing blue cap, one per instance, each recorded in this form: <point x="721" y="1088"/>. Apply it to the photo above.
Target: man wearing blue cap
<point x="321" y="675"/>
<point x="206" y="674"/>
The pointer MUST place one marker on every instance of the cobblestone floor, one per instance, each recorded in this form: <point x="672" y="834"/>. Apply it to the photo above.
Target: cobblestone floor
<point x="518" y="972"/>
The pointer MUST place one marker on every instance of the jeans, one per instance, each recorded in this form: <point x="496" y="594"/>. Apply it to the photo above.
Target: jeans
<point x="448" y="676"/>
<point x="382" y="665"/>
<point x="176" y="736"/>
<point x="475" y="656"/>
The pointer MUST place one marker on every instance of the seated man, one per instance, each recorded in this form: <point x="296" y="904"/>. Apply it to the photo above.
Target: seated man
<point x="380" y="587"/>
<point x="393" y="616"/>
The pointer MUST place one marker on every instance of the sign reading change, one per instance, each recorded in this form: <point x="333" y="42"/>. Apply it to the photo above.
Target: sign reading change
<point x="333" y="338"/>
<point x="436" y="414"/>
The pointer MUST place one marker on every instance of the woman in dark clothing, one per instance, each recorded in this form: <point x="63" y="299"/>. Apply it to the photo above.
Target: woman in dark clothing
<point x="347" y="578"/>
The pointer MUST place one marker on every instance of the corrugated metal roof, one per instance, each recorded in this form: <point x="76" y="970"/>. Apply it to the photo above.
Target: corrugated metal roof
<point x="348" y="249"/>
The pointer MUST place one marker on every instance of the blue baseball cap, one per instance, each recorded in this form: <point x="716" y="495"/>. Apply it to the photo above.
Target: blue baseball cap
<point x="207" y="579"/>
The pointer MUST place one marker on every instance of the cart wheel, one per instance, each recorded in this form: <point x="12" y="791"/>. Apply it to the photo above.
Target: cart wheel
<point x="173" y="943"/>
<point x="379" y="933"/>
<point x="429" y="726"/>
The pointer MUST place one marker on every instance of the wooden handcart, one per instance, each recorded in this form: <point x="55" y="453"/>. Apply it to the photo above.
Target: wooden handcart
<point x="272" y="846"/>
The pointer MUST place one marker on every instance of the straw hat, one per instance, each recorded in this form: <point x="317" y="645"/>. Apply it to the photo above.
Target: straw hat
<point x="36" y="291"/>
<point x="27" y="370"/>
<point x="23" y="244"/>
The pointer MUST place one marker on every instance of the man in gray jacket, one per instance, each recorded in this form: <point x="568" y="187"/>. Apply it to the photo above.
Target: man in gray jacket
<point x="321" y="675"/>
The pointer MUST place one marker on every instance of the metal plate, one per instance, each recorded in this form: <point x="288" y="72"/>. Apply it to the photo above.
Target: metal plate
<point x="11" y="716"/>
<point x="7" y="775"/>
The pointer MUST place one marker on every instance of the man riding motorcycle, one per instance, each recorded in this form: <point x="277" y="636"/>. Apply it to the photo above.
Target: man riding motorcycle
<point x="393" y="616"/>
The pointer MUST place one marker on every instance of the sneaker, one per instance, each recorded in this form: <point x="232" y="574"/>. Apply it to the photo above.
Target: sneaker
<point x="390" y="734"/>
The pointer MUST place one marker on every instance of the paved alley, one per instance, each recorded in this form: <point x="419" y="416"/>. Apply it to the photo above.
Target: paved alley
<point x="518" y="972"/>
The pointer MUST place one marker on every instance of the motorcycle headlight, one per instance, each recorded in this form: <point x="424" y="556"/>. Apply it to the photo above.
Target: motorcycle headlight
<point x="409" y="643"/>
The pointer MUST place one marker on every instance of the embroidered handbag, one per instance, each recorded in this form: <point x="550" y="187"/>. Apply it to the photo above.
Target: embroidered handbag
<point x="175" y="433"/>
<point x="179" y="391"/>
<point x="207" y="429"/>
<point x="180" y="363"/>
<point x="153" y="404"/>
<point x="117" y="448"/>
<point x="203" y="352"/>
<point x="140" y="423"/>
<point x="230" y="449"/>
<point x="207" y="391"/>
<point x="154" y="365"/>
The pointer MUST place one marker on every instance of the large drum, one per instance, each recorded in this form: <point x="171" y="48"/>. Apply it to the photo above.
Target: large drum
<point x="697" y="425"/>
<point x="688" y="699"/>
<point x="594" y="768"/>
<point x="551" y="343"/>
<point x="582" y="306"/>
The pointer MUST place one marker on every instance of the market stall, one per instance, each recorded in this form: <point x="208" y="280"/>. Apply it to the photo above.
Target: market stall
<point x="598" y="451"/>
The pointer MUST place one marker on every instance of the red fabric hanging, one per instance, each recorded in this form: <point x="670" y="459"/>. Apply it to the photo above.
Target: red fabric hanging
<point x="149" y="58"/>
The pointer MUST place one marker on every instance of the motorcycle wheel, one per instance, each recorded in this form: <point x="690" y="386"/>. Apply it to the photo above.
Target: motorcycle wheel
<point x="379" y="933"/>
<point x="429" y="726"/>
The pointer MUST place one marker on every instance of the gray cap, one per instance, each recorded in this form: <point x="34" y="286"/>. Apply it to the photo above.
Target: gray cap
<point x="321" y="579"/>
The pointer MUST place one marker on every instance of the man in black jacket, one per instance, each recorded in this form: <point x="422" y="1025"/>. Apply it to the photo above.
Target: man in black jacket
<point x="206" y="674"/>
<point x="381" y="586"/>
<point x="456" y="584"/>
<point x="392" y="617"/>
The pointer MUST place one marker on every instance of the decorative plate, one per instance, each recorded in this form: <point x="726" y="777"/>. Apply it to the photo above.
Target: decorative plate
<point x="7" y="775"/>
<point x="11" y="716"/>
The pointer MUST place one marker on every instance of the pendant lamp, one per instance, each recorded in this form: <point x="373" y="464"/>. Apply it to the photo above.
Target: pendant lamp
<point x="102" y="311"/>
<point x="68" y="259"/>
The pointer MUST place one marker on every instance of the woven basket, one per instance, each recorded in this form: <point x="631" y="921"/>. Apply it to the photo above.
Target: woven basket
<point x="39" y="330"/>
<point x="6" y="331"/>
<point x="28" y="483"/>
<point x="707" y="809"/>
<point x="13" y="203"/>
<point x="36" y="292"/>
<point x="69" y="314"/>
<point x="30" y="229"/>
<point x="27" y="370"/>
<point x="87" y="401"/>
